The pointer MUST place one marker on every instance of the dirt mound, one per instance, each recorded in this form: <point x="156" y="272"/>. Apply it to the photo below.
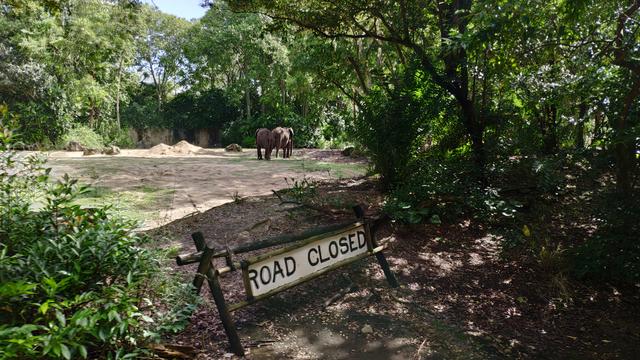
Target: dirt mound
<point x="160" y="149"/>
<point x="181" y="148"/>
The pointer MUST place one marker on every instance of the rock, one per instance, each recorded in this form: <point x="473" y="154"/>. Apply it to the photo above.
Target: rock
<point x="261" y="226"/>
<point x="367" y="329"/>
<point x="74" y="146"/>
<point x="348" y="151"/>
<point x="112" y="150"/>
<point x="244" y="236"/>
<point x="88" y="152"/>
<point x="233" y="147"/>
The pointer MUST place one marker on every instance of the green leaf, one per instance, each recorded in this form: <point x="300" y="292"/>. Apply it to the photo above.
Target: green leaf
<point x="44" y="307"/>
<point x="83" y="351"/>
<point x="61" y="318"/>
<point x="65" y="351"/>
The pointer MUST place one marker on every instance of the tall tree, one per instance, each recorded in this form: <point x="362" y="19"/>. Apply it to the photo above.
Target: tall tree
<point x="160" y="56"/>
<point x="432" y="31"/>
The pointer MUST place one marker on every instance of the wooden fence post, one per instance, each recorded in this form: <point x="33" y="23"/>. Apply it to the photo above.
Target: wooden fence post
<point x="216" y="292"/>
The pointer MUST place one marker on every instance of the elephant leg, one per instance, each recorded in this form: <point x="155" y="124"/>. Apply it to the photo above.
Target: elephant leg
<point x="260" y="153"/>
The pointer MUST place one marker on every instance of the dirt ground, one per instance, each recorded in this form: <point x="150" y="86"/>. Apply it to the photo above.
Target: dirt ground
<point x="458" y="299"/>
<point x="157" y="189"/>
<point x="459" y="296"/>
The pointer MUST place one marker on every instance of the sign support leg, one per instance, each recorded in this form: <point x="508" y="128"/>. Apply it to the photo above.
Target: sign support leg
<point x="393" y="282"/>
<point x="216" y="292"/>
<point x="382" y="260"/>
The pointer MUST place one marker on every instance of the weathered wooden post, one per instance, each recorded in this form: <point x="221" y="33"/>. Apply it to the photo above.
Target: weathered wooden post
<point x="206" y="269"/>
<point x="382" y="260"/>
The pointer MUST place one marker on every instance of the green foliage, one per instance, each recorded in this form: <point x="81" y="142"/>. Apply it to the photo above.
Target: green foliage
<point x="83" y="135"/>
<point x="548" y="173"/>
<point x="613" y="254"/>
<point x="190" y="110"/>
<point x="302" y="190"/>
<point x="142" y="111"/>
<point x="67" y="63"/>
<point x="117" y="137"/>
<point x="70" y="277"/>
<point x="436" y="189"/>
<point x="394" y="120"/>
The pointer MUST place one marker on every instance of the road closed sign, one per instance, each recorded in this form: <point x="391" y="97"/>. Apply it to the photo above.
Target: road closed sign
<point x="281" y="269"/>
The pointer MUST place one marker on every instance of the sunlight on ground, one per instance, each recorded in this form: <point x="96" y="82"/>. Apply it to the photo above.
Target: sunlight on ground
<point x="156" y="189"/>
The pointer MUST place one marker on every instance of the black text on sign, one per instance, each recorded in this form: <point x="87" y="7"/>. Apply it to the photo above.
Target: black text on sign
<point x="282" y="269"/>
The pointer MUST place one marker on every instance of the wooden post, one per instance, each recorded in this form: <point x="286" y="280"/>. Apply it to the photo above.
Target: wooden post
<point x="216" y="292"/>
<point x="382" y="260"/>
<point x="205" y="264"/>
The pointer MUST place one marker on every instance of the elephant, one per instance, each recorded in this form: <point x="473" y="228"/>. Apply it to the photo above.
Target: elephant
<point x="264" y="139"/>
<point x="283" y="140"/>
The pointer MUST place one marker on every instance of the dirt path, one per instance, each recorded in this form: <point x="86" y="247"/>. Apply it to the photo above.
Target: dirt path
<point x="158" y="189"/>
<point x="370" y="321"/>
<point x="458" y="299"/>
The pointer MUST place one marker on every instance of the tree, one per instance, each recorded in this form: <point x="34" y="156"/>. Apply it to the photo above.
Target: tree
<point x="433" y="31"/>
<point x="160" y="56"/>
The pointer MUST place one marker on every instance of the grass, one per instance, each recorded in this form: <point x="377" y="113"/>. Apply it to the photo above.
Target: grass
<point x="140" y="203"/>
<point x="338" y="170"/>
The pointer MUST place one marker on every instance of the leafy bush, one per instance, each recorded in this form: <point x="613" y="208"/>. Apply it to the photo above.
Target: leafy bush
<point x="394" y="121"/>
<point x="113" y="135"/>
<point x="83" y="135"/>
<point x="443" y="187"/>
<point x="613" y="254"/>
<point x="70" y="278"/>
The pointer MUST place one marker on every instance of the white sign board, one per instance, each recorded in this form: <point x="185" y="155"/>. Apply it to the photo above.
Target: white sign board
<point x="284" y="268"/>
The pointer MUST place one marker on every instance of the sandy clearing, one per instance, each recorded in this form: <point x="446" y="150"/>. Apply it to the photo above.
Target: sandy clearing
<point x="195" y="183"/>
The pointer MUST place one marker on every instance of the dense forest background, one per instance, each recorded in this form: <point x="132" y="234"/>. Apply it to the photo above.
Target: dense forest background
<point x="468" y="90"/>
<point x="518" y="116"/>
<point x="112" y="65"/>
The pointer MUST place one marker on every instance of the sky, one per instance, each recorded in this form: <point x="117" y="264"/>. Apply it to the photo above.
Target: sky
<point x="187" y="9"/>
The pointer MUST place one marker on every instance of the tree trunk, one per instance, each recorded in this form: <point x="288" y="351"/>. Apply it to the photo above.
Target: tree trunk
<point x="248" y="101"/>
<point x="118" y="94"/>
<point x="283" y="92"/>
<point x="550" y="139"/>
<point x="475" y="129"/>
<point x="582" y="113"/>
<point x="624" y="144"/>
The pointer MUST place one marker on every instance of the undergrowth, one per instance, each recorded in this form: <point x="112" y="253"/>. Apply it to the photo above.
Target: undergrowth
<point x="74" y="282"/>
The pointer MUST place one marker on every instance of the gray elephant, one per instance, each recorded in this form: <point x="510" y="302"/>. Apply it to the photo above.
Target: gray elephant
<point x="283" y="140"/>
<point x="264" y="140"/>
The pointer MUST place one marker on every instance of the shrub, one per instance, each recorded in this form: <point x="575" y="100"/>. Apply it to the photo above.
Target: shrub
<point x="394" y="121"/>
<point x="439" y="186"/>
<point x="112" y="135"/>
<point x="613" y="254"/>
<point x="71" y="279"/>
<point x="83" y="135"/>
